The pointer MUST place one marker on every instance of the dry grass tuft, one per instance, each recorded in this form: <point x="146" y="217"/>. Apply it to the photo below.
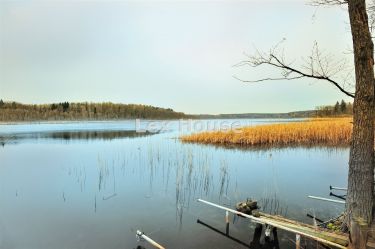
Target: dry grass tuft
<point x="322" y="131"/>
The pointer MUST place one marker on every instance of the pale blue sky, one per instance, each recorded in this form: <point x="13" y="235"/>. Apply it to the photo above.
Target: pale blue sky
<point x="177" y="54"/>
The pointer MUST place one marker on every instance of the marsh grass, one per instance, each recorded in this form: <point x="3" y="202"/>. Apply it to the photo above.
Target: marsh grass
<point x="322" y="131"/>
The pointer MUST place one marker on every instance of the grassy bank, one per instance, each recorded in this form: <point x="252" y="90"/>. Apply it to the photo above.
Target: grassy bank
<point x="330" y="132"/>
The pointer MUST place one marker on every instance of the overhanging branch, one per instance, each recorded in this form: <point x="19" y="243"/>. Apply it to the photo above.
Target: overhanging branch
<point x="318" y="77"/>
<point x="318" y="67"/>
<point x="328" y="2"/>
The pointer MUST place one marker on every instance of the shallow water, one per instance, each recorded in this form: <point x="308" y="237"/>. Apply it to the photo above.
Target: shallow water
<point x="92" y="185"/>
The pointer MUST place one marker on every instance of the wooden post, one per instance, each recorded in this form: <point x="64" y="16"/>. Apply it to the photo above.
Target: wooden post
<point x="227" y="222"/>
<point x="298" y="241"/>
<point x="149" y="240"/>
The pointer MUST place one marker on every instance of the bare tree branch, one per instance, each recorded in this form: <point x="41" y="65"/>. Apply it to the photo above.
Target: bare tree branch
<point x="317" y="66"/>
<point x="267" y="79"/>
<point x="370" y="9"/>
<point x="328" y="2"/>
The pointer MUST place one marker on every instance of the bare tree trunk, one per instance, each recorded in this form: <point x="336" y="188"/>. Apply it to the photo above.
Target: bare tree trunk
<point x="360" y="199"/>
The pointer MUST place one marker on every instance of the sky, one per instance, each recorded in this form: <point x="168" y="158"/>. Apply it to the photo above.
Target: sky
<point x="174" y="54"/>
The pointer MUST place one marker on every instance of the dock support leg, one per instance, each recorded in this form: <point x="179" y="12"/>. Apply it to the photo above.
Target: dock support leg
<point x="227" y="222"/>
<point x="298" y="241"/>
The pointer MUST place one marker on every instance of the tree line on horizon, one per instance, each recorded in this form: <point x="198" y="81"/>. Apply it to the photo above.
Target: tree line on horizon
<point x="14" y="111"/>
<point x="338" y="109"/>
<point x="11" y="111"/>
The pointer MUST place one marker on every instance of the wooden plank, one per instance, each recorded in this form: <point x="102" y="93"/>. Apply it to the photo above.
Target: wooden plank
<point x="284" y="220"/>
<point x="318" y="234"/>
<point x="371" y="244"/>
<point x="325" y="199"/>
<point x="370" y="241"/>
<point x="149" y="240"/>
<point x="312" y="231"/>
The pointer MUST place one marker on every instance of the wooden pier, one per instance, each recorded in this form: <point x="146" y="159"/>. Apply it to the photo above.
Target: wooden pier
<point x="324" y="236"/>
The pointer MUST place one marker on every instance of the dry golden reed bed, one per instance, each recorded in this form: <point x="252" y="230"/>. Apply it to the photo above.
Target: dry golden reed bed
<point x="324" y="131"/>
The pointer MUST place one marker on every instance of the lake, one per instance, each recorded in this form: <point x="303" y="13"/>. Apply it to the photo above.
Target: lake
<point x="93" y="184"/>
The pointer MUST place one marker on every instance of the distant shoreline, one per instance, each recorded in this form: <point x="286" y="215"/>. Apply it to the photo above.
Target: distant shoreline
<point x="76" y="121"/>
<point x="21" y="122"/>
<point x="15" y="113"/>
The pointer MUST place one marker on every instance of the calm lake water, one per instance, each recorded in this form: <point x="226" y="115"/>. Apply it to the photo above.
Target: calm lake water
<point x="92" y="185"/>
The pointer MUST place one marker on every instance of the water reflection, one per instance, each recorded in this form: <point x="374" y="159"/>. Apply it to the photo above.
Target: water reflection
<point x="98" y="191"/>
<point x="271" y="204"/>
<point x="72" y="135"/>
<point x="270" y="241"/>
<point x="226" y="235"/>
<point x="191" y="174"/>
<point x="263" y="148"/>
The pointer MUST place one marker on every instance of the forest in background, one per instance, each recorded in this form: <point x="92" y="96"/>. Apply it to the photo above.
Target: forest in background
<point x="18" y="112"/>
<point x="339" y="109"/>
<point x="13" y="111"/>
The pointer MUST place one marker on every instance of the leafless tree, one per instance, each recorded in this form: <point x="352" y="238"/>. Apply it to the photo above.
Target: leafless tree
<point x="360" y="200"/>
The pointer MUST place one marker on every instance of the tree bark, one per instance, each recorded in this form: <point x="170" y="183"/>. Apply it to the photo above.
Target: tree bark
<point x="360" y="199"/>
